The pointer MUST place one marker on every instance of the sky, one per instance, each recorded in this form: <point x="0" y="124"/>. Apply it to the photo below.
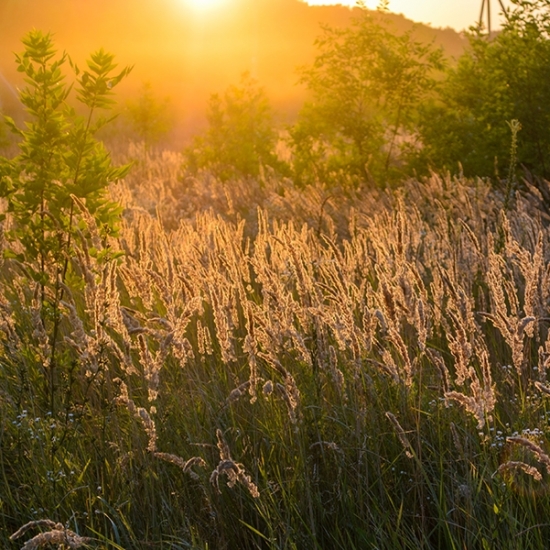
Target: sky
<point x="458" y="14"/>
<point x="190" y="49"/>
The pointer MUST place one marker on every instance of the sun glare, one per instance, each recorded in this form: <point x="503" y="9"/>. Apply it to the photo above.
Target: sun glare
<point x="200" y="6"/>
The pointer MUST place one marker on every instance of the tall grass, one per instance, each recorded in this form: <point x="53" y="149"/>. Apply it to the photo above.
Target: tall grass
<point x="267" y="367"/>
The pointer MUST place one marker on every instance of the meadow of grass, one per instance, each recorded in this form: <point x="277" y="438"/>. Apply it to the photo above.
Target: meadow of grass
<point x="269" y="367"/>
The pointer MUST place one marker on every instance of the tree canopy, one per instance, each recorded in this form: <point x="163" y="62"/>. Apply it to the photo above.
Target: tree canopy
<point x="498" y="79"/>
<point x="366" y="83"/>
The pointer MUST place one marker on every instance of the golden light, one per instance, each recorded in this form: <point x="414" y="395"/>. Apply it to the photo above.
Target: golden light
<point x="205" y="6"/>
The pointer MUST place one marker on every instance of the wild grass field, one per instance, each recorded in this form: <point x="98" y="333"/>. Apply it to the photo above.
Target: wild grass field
<point x="221" y="348"/>
<point x="257" y="366"/>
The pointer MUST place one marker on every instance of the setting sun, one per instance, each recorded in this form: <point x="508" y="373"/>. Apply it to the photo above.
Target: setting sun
<point x="205" y="5"/>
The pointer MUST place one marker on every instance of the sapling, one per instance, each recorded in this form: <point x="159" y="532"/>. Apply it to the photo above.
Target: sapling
<point x="60" y="163"/>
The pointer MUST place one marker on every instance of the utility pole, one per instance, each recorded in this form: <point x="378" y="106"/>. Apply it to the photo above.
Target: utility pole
<point x="486" y="12"/>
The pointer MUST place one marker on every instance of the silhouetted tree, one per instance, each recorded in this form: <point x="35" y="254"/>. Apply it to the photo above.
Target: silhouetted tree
<point x="366" y="83"/>
<point x="241" y="135"/>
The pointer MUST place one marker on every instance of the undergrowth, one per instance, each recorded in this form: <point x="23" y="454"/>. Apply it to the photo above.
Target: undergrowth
<point x="255" y="366"/>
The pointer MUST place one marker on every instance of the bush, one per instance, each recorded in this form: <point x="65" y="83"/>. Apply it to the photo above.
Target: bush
<point x="241" y="137"/>
<point x="498" y="79"/>
<point x="367" y="82"/>
<point x="150" y="118"/>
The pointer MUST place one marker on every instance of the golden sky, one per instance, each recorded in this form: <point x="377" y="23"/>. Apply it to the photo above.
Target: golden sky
<point x="458" y="14"/>
<point x="189" y="49"/>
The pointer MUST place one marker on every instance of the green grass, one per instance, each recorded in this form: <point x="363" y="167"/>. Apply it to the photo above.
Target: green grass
<point x="404" y="303"/>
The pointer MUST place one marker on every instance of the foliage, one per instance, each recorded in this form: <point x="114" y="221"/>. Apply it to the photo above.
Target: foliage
<point x="149" y="116"/>
<point x="3" y="131"/>
<point x="241" y="136"/>
<point x="59" y="158"/>
<point x="499" y="78"/>
<point x="57" y="185"/>
<point x="366" y="83"/>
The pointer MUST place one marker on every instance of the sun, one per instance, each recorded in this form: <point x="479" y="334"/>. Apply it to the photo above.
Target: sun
<point x="203" y="6"/>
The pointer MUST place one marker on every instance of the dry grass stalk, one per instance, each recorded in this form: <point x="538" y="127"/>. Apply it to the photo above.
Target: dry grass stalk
<point x="397" y="340"/>
<point x="409" y="451"/>
<point x="304" y="283"/>
<point x="289" y="401"/>
<point x="506" y="317"/>
<point x="238" y="392"/>
<point x="150" y="368"/>
<point x="138" y="412"/>
<point x="444" y="375"/>
<point x="58" y="534"/>
<point x="85" y="346"/>
<point x="533" y="270"/>
<point x="535" y="449"/>
<point x="267" y="388"/>
<point x="470" y="404"/>
<point x="293" y="393"/>
<point x="329" y="445"/>
<point x="460" y="346"/>
<point x="545" y="390"/>
<point x="337" y="374"/>
<point x="204" y="340"/>
<point x="234" y="471"/>
<point x="388" y="365"/>
<point x="185" y="465"/>
<point x="250" y="347"/>
<point x="222" y="321"/>
<point x="149" y="427"/>
<point x="513" y="465"/>
<point x="532" y="267"/>
<point x="289" y="392"/>
<point x="483" y="399"/>
<point x="421" y="322"/>
<point x="381" y="320"/>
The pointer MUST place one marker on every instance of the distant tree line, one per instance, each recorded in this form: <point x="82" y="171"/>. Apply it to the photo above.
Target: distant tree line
<point x="384" y="106"/>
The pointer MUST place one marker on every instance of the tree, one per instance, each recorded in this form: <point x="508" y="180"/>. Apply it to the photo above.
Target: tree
<point x="497" y="80"/>
<point x="58" y="182"/>
<point x="149" y="117"/>
<point x="59" y="158"/>
<point x="241" y="136"/>
<point x="365" y="83"/>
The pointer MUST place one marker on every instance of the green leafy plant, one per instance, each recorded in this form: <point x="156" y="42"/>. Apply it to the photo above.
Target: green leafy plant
<point x="59" y="157"/>
<point x="60" y="170"/>
<point x="366" y="83"/>
<point x="149" y="116"/>
<point x="498" y="78"/>
<point x="241" y="136"/>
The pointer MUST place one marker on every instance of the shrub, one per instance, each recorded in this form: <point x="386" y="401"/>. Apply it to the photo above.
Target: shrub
<point x="58" y="182"/>
<point x="366" y="84"/>
<point x="241" y="136"/>
<point x="498" y="79"/>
